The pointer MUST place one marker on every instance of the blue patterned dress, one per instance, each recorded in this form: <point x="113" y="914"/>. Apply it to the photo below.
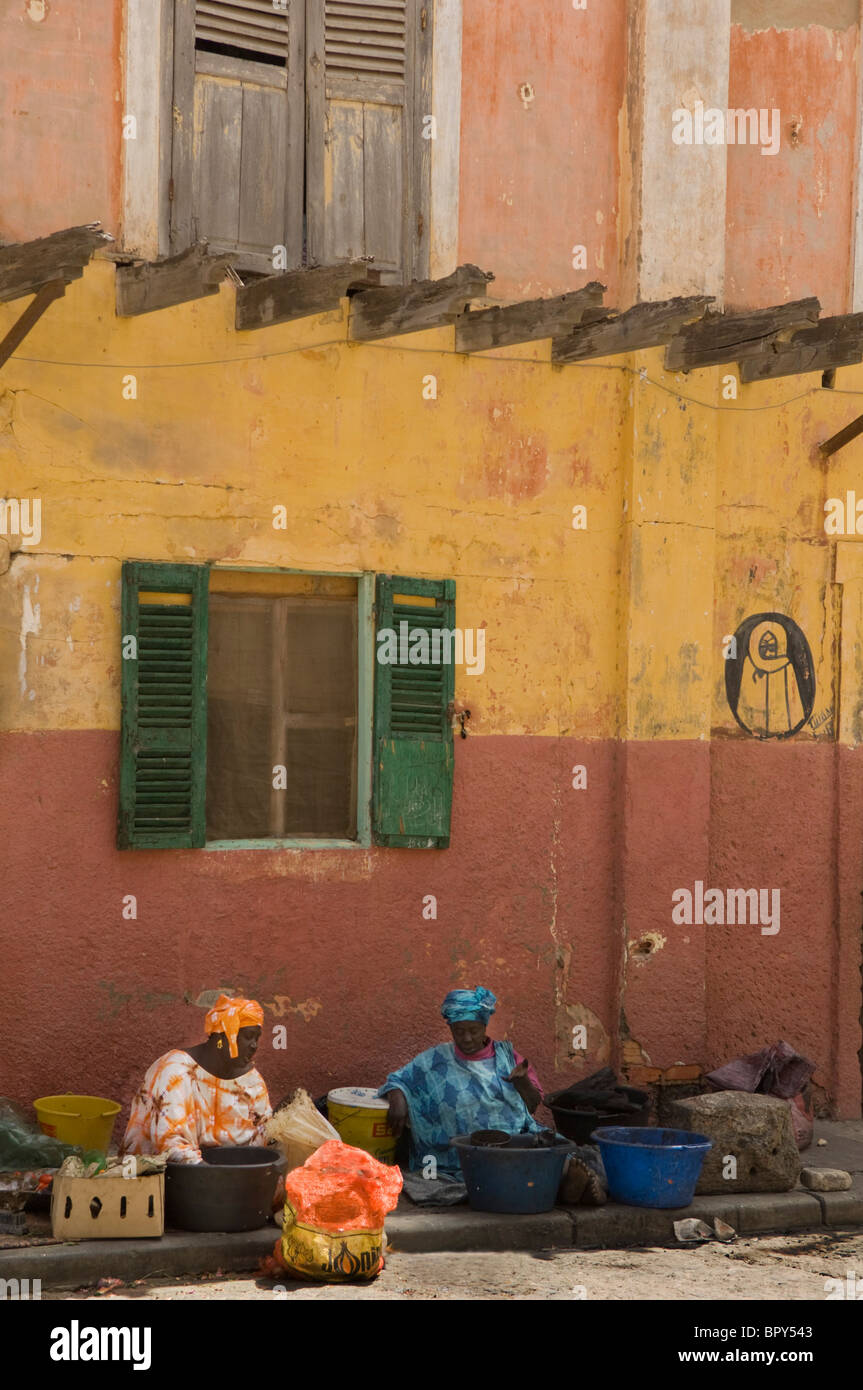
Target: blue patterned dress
<point x="447" y="1096"/>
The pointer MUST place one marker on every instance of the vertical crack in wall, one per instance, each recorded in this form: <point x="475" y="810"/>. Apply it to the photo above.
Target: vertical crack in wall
<point x="562" y="953"/>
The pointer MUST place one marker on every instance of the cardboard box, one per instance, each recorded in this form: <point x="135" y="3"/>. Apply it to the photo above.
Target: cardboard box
<point x="108" y="1208"/>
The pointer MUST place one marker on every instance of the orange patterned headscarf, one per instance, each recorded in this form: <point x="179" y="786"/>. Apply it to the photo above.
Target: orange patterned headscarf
<point x="228" y="1016"/>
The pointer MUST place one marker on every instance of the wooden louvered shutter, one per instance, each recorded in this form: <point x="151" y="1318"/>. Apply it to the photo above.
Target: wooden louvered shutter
<point x="413" y="763"/>
<point x="368" y="81"/>
<point x="239" y="128"/>
<point x="163" y="758"/>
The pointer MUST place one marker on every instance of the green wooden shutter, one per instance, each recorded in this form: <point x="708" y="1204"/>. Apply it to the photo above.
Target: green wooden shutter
<point x="163" y="757"/>
<point x="413" y="738"/>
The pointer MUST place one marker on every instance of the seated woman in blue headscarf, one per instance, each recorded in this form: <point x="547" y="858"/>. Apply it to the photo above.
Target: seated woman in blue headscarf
<point x="469" y="1084"/>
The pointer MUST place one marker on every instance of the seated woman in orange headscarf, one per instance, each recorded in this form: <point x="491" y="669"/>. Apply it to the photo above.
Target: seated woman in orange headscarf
<point x="207" y="1094"/>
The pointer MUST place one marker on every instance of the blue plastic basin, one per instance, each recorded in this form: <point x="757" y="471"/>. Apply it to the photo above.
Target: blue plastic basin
<point x="515" y="1178"/>
<point x="651" y="1167"/>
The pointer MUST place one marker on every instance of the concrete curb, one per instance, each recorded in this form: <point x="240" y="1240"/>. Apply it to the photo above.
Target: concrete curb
<point x="842" y="1208"/>
<point x="453" y="1229"/>
<point x="616" y="1226"/>
<point x="461" y="1229"/>
<point x="84" y="1263"/>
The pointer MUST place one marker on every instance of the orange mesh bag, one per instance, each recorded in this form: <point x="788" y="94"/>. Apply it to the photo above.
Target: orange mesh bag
<point x="335" y="1208"/>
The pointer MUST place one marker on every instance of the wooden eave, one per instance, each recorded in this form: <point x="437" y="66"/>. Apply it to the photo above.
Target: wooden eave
<point x="510" y="324"/>
<point x="393" y="309"/>
<point x="295" y="294"/>
<point x="26" y="266"/>
<point x="152" y="285"/>
<point x="831" y="342"/>
<point x="725" y="338"/>
<point x="43" y="268"/>
<point x="783" y="340"/>
<point x="646" y="325"/>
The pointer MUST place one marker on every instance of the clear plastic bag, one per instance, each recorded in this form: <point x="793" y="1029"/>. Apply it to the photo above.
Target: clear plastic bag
<point x="22" y="1143"/>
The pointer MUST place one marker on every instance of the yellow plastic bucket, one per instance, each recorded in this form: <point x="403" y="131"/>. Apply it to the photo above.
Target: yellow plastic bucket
<point x="360" y="1116"/>
<point x="84" y="1120"/>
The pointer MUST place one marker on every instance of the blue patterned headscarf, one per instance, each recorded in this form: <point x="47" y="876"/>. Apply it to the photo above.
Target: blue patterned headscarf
<point x="463" y="1004"/>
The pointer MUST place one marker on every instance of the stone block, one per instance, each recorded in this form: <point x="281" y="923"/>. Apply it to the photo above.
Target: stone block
<point x="754" y="1130"/>
<point x="826" y="1179"/>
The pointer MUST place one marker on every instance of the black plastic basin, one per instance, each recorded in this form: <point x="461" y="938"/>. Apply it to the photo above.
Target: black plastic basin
<point x="579" y="1125"/>
<point x="232" y="1190"/>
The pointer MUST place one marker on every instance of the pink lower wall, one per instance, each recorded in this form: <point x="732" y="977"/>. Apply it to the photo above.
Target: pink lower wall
<point x="542" y="887"/>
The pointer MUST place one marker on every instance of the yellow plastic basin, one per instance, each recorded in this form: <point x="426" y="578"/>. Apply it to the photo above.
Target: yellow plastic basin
<point x="84" y="1120"/>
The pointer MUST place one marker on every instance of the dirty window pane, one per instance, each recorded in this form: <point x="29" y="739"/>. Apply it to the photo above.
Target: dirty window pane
<point x="281" y="693"/>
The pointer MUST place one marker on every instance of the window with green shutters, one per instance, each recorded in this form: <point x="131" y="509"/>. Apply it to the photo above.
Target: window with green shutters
<point x="402" y="763"/>
<point x="413" y="733"/>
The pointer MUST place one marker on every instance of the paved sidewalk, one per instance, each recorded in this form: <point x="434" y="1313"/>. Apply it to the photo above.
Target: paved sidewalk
<point x="458" y="1229"/>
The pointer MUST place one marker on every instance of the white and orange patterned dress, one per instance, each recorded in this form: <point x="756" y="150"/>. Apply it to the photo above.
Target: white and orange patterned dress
<point x="180" y="1106"/>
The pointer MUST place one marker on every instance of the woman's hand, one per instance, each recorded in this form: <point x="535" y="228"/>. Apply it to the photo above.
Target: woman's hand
<point x="525" y="1087"/>
<point x="398" y="1112"/>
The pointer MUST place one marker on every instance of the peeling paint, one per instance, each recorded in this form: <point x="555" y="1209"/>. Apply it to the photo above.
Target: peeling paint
<point x="31" y="626"/>
<point x="282" y="1004"/>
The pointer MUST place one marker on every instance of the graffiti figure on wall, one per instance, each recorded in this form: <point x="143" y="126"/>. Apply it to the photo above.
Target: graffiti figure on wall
<point x="769" y="676"/>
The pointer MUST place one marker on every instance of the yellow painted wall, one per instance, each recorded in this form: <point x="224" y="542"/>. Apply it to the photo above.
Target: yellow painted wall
<point x="700" y="510"/>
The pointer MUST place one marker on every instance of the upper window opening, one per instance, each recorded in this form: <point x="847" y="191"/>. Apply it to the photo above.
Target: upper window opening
<point x="226" y="50"/>
<point x="254" y="30"/>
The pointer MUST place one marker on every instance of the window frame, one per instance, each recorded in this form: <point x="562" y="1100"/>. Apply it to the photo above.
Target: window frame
<point x="365" y="715"/>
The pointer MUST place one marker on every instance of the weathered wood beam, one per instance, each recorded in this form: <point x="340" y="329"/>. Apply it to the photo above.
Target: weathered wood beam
<point x="384" y="312"/>
<point x="643" y="326"/>
<point x="721" y="338"/>
<point x="55" y="289"/>
<point x="506" y="325"/>
<point x="295" y="294"/>
<point x="831" y="342"/>
<point x="193" y="274"/>
<point x="27" y="265"/>
<point x="842" y="437"/>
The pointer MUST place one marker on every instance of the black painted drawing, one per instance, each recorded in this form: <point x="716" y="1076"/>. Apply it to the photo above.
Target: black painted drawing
<point x="769" y="676"/>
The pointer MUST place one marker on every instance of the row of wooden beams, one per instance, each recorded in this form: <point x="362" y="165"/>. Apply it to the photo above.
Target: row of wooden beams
<point x="28" y="265"/>
<point x="193" y="274"/>
<point x="54" y="289"/>
<point x="767" y="343"/>
<point x="297" y="293"/>
<point x="507" y="325"/>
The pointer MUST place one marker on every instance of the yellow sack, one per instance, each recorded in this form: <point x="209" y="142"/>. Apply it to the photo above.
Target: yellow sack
<point x="312" y="1253"/>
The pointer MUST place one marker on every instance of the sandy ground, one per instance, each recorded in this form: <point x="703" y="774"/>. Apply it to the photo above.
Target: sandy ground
<point x="766" y="1267"/>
